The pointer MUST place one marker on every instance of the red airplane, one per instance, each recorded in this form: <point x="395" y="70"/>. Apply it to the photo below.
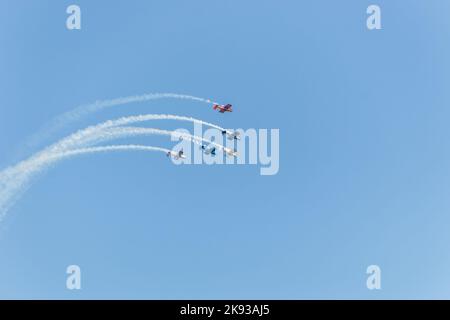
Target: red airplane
<point x="223" y="109"/>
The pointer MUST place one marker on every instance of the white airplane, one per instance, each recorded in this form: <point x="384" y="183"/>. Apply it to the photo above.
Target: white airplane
<point x="231" y="134"/>
<point x="230" y="152"/>
<point x="176" y="155"/>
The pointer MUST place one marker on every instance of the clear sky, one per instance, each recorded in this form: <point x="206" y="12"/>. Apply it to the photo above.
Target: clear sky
<point x="364" y="154"/>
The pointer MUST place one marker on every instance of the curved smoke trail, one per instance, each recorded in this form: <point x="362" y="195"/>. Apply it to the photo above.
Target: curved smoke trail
<point x="83" y="110"/>
<point x="84" y="136"/>
<point x="140" y="118"/>
<point x="103" y="104"/>
<point x="16" y="179"/>
<point x="126" y="147"/>
<point x="126" y="132"/>
<point x="147" y="117"/>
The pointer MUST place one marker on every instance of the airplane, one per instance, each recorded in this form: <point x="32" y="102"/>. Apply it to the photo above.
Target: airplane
<point x="224" y="108"/>
<point x="209" y="149"/>
<point x="230" y="152"/>
<point x="176" y="155"/>
<point x="231" y="135"/>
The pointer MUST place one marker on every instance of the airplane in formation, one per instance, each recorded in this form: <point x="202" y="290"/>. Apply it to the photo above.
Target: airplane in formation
<point x="208" y="149"/>
<point x="176" y="155"/>
<point x="231" y="135"/>
<point x="223" y="108"/>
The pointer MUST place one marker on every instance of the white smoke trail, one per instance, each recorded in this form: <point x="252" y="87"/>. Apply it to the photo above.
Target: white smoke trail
<point x="84" y="136"/>
<point x="127" y="147"/>
<point x="136" y="119"/>
<point x="146" y="117"/>
<point x="16" y="179"/>
<point x="83" y="110"/>
<point x="126" y="132"/>
<point x="102" y="104"/>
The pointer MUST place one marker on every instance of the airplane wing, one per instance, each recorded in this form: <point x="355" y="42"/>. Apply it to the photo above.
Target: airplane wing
<point x="209" y="149"/>
<point x="232" y="134"/>
<point x="231" y="152"/>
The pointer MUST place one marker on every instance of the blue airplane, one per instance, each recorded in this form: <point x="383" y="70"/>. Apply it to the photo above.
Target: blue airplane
<point x="209" y="149"/>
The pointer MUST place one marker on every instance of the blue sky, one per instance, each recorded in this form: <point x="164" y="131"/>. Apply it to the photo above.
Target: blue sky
<point x="364" y="156"/>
